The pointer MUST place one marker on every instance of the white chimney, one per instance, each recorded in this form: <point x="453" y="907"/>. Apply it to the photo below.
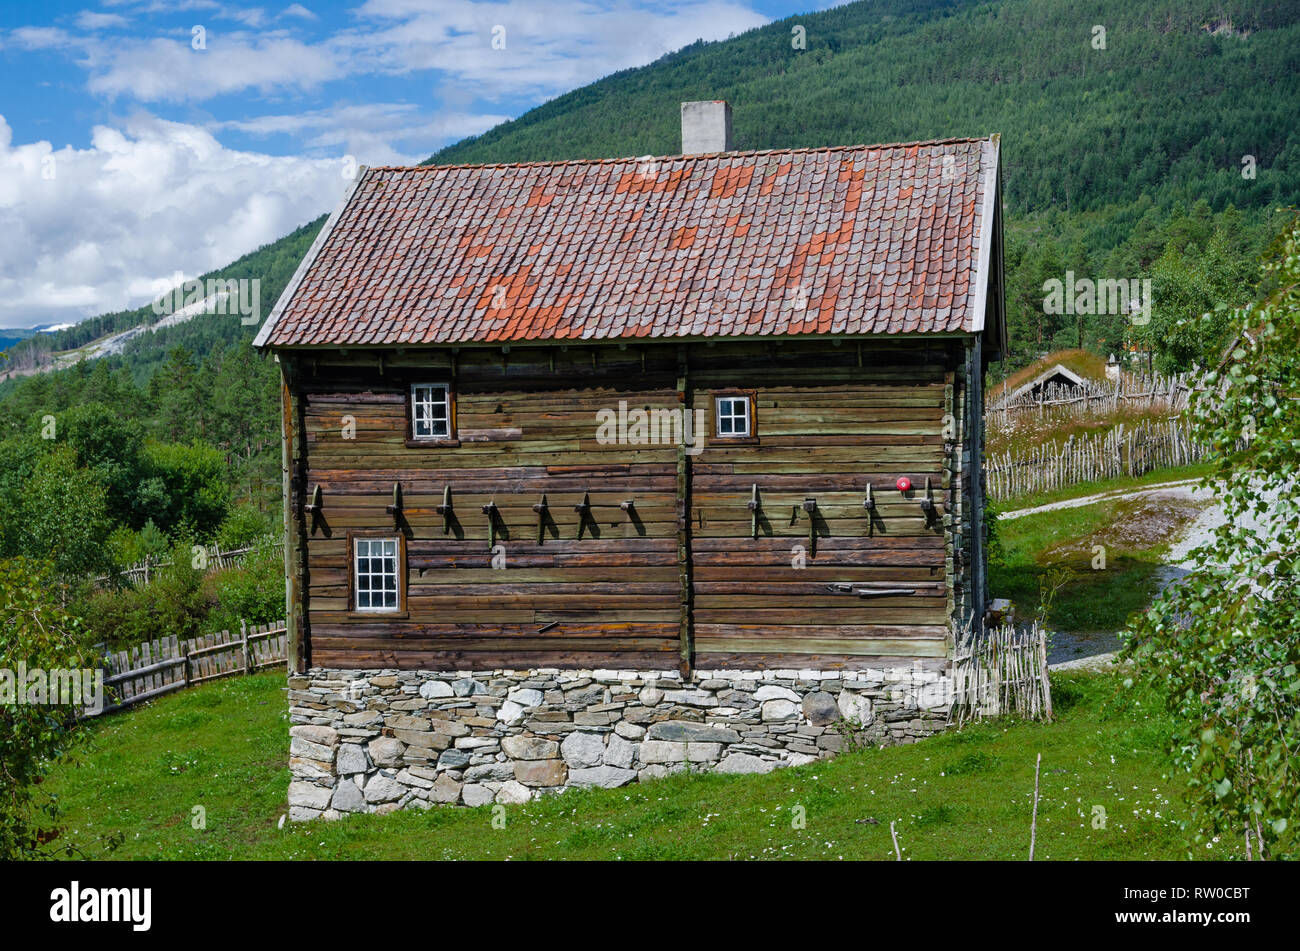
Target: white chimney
<point x="706" y="127"/>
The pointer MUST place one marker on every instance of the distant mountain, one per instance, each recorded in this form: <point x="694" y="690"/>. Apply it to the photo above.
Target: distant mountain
<point x="10" y="336"/>
<point x="1116" y="118"/>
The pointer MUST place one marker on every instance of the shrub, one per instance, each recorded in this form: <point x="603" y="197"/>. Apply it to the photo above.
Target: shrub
<point x="1223" y="644"/>
<point x="244" y="526"/>
<point x="36" y="631"/>
<point x="174" y="602"/>
<point x="252" y="591"/>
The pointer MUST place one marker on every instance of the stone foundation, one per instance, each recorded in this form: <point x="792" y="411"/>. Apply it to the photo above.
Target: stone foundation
<point x="381" y="740"/>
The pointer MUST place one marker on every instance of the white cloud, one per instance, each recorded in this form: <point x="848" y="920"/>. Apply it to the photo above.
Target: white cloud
<point x="298" y="10"/>
<point x="90" y="20"/>
<point x="163" y="70"/>
<point x="381" y="133"/>
<point x="135" y="207"/>
<point x="551" y="46"/>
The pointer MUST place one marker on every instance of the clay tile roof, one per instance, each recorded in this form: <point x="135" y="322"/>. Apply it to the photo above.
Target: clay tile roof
<point x="881" y="239"/>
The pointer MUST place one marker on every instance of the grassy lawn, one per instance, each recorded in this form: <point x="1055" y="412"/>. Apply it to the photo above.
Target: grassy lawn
<point x="1045" y="548"/>
<point x="962" y="795"/>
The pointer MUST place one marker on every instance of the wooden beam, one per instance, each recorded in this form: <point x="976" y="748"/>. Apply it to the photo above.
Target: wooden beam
<point x="685" y="595"/>
<point x="293" y="485"/>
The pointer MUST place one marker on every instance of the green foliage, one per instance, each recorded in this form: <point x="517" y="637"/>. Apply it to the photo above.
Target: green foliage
<point x="994" y="553"/>
<point x="175" y="602"/>
<point x="1223" y="644"/>
<point x="185" y="489"/>
<point x="35" y="631"/>
<point x="244" y="525"/>
<point x="252" y="591"/>
<point x="58" y="513"/>
<point x="184" y="601"/>
<point x="129" y="548"/>
<point x="111" y="447"/>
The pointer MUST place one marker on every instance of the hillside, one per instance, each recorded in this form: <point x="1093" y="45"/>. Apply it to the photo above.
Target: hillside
<point x="1114" y="158"/>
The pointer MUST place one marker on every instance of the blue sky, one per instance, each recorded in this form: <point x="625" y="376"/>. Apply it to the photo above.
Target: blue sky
<point x="139" y="138"/>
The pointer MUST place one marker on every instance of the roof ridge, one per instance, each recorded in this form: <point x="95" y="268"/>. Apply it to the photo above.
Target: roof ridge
<point x="694" y="157"/>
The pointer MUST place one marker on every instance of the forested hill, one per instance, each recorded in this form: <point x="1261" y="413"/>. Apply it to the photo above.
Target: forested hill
<point x="1125" y="127"/>
<point x="1182" y="90"/>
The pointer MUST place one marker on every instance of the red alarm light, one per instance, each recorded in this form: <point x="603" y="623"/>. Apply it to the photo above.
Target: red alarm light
<point x="903" y="483"/>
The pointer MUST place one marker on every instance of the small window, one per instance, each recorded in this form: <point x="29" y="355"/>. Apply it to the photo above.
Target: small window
<point x="733" y="416"/>
<point x="376" y="574"/>
<point x="430" y="411"/>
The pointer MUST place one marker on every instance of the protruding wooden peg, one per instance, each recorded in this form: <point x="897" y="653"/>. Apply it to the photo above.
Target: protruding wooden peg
<point x="810" y="506"/>
<point x="541" y="508"/>
<point x="869" y="503"/>
<point x="755" y="506"/>
<point x="312" y="509"/>
<point x="927" y="503"/>
<point x="627" y="505"/>
<point x="445" y="509"/>
<point x="395" y="509"/>
<point x="490" y="510"/>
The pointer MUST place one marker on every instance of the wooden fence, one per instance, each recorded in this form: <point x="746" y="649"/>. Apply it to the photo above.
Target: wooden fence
<point x="157" y="667"/>
<point x="1154" y="393"/>
<point x="215" y="557"/>
<point x="1001" y="672"/>
<point x="1122" y="451"/>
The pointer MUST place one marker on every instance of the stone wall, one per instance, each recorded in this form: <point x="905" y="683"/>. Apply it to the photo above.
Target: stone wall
<point x="380" y="740"/>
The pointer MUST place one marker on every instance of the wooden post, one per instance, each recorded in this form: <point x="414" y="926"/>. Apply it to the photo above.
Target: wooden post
<point x="292" y="446"/>
<point x="1033" y="826"/>
<point x="243" y="643"/>
<point x="685" y="592"/>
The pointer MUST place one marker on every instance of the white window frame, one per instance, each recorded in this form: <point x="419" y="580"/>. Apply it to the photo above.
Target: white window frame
<point x="719" y="416"/>
<point x="425" y="395"/>
<point x="357" y="587"/>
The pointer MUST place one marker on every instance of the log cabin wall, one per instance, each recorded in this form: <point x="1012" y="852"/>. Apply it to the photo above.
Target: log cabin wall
<point x="673" y="580"/>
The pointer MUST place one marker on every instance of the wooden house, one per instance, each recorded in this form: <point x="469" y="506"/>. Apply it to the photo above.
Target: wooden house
<point x="718" y="411"/>
<point x="484" y="373"/>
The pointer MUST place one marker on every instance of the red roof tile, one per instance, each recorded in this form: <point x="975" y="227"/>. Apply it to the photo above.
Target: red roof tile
<point x="858" y="240"/>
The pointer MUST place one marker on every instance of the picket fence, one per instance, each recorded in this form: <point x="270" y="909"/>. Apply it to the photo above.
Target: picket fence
<point x="160" y="666"/>
<point x="1000" y="672"/>
<point x="1125" y="450"/>
<point x="1139" y="392"/>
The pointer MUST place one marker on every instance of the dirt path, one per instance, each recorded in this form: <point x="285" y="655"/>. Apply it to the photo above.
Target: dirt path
<point x="1099" y="497"/>
<point x="1072" y="651"/>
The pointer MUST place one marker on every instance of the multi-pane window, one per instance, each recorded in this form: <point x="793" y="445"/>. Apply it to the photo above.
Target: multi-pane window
<point x="376" y="574"/>
<point x="733" y="416"/>
<point x="430" y="411"/>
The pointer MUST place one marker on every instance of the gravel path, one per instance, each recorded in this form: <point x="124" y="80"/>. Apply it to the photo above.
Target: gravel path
<point x="1099" y="497"/>
<point x="1069" y="651"/>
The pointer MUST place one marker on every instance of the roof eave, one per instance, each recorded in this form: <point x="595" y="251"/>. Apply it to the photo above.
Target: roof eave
<point x="990" y="263"/>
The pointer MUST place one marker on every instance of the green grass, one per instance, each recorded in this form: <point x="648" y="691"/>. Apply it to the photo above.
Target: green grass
<point x="1047" y="548"/>
<point x="960" y="795"/>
